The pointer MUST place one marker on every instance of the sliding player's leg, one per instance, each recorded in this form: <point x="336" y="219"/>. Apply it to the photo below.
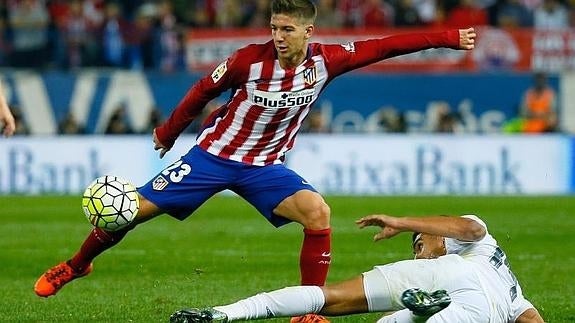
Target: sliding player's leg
<point x="338" y="299"/>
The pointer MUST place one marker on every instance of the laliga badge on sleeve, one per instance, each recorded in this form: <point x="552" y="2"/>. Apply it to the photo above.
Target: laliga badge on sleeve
<point x="219" y="71"/>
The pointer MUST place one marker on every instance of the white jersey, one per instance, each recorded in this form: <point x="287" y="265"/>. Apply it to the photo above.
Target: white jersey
<point x="502" y="288"/>
<point x="476" y="275"/>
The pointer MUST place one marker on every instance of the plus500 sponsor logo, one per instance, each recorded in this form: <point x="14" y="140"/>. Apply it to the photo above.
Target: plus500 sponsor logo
<point x="283" y="99"/>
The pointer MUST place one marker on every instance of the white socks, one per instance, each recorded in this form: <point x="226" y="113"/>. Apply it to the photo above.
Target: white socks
<point x="286" y="302"/>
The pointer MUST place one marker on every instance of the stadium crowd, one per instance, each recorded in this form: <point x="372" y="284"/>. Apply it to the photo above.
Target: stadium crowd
<point x="149" y="34"/>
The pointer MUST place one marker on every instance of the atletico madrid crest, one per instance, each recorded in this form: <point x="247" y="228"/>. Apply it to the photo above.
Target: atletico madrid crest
<point x="310" y="75"/>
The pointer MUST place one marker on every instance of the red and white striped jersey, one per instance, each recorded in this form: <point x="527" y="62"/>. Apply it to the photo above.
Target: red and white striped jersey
<point x="258" y="125"/>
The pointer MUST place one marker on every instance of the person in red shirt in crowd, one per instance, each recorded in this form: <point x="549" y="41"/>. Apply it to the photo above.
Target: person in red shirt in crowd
<point x="466" y="13"/>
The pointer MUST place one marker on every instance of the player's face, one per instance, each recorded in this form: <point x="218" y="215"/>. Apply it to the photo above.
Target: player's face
<point x="429" y="247"/>
<point x="290" y="37"/>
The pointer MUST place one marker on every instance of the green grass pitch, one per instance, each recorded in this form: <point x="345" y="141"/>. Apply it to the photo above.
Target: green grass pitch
<point x="226" y="251"/>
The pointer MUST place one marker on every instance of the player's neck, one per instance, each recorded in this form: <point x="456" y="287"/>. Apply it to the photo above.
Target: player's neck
<point x="294" y="61"/>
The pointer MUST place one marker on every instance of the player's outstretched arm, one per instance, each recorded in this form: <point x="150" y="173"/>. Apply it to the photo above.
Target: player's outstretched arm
<point x="7" y="122"/>
<point x="467" y="38"/>
<point x="455" y="227"/>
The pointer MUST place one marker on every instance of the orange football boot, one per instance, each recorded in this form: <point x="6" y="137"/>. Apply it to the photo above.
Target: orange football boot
<point x="309" y="318"/>
<point x="56" y="277"/>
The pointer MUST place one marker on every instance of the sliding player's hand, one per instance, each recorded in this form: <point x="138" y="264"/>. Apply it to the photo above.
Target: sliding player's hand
<point x="388" y="225"/>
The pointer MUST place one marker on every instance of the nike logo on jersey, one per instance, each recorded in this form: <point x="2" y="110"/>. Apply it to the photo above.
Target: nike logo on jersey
<point x="326" y="254"/>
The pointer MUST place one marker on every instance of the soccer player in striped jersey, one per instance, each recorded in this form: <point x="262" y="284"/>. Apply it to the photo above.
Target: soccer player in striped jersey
<point x="459" y="274"/>
<point x="242" y="145"/>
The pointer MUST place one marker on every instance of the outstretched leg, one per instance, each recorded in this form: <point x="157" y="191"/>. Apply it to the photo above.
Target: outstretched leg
<point x="310" y="210"/>
<point x="97" y="242"/>
<point x="339" y="299"/>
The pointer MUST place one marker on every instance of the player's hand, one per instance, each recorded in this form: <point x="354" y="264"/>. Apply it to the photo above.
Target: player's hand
<point x="467" y="38"/>
<point x="159" y="146"/>
<point x="7" y="122"/>
<point x="388" y="225"/>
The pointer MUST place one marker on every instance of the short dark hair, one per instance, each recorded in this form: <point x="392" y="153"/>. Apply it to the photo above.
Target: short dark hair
<point x="302" y="9"/>
<point x="415" y="237"/>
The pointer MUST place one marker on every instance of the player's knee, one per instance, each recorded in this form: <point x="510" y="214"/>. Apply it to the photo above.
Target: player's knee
<point x="318" y="216"/>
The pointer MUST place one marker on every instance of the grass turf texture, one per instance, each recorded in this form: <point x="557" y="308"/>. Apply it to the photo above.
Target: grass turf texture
<point x="226" y="251"/>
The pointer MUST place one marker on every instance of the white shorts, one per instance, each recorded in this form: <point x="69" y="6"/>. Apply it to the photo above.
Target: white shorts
<point x="385" y="284"/>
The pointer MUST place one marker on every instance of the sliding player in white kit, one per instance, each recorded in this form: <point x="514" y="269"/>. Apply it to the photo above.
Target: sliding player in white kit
<point x="456" y="254"/>
<point x="459" y="274"/>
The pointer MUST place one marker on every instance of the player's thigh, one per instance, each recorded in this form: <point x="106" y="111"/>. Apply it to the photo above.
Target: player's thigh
<point x="268" y="186"/>
<point x="183" y="186"/>
<point x="384" y="284"/>
<point x="305" y="207"/>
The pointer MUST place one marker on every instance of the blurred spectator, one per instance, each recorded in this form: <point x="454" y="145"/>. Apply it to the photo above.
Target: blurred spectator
<point x="391" y="120"/>
<point x="150" y="34"/>
<point x="466" y="13"/>
<point x="5" y="44"/>
<point x="154" y="120"/>
<point x="538" y="106"/>
<point x="315" y="123"/>
<point x="443" y="120"/>
<point x="513" y="14"/>
<point x="93" y="11"/>
<point x="448" y="122"/>
<point x="77" y="32"/>
<point x="327" y="14"/>
<point x="229" y="14"/>
<point x="406" y="14"/>
<point x="551" y="15"/>
<point x="199" y="13"/>
<point x="352" y="12"/>
<point x="377" y="13"/>
<point x="171" y="57"/>
<point x="118" y="123"/>
<point x="28" y="20"/>
<point x="139" y="38"/>
<point x="208" y="112"/>
<point x="112" y="34"/>
<point x="256" y="14"/>
<point x="58" y="11"/>
<point x="70" y="126"/>
<point x="21" y="126"/>
<point x="428" y="11"/>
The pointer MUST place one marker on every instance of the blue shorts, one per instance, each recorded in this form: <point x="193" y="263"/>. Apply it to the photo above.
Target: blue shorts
<point x="186" y="184"/>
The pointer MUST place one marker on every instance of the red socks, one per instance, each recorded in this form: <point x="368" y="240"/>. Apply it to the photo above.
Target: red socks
<point x="97" y="242"/>
<point x="315" y="257"/>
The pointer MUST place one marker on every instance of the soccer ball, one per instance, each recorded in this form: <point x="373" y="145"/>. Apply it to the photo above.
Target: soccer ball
<point x="110" y="203"/>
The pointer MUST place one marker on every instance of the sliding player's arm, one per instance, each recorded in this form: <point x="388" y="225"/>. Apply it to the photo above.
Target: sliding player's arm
<point x="456" y="227"/>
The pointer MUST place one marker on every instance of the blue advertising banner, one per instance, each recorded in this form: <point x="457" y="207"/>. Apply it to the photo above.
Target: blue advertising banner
<point x="351" y="103"/>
